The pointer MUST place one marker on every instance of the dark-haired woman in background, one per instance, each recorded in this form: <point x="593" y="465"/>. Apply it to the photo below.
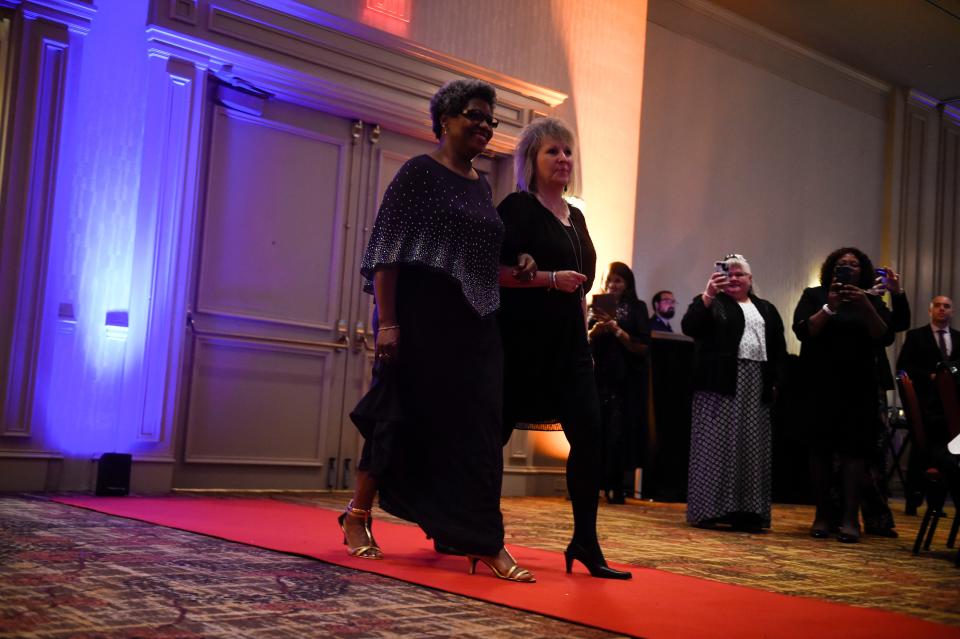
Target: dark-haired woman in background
<point x="620" y="343"/>
<point x="840" y="327"/>
<point x="432" y="420"/>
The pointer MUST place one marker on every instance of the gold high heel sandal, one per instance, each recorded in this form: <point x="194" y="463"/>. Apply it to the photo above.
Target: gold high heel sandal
<point x="370" y="550"/>
<point x="514" y="573"/>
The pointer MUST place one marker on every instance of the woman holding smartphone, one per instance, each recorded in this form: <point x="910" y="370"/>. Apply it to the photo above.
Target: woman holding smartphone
<point x="840" y="327"/>
<point x="620" y="339"/>
<point x="741" y="355"/>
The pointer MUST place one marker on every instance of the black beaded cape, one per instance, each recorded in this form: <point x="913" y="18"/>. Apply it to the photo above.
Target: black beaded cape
<point x="432" y="418"/>
<point x="434" y="218"/>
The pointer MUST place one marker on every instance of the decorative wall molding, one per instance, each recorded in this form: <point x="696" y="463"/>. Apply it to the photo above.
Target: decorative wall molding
<point x="313" y="58"/>
<point x="29" y="454"/>
<point x="76" y="15"/>
<point x="929" y="207"/>
<point x="165" y="225"/>
<point x="947" y="210"/>
<point x="725" y="30"/>
<point x="285" y="452"/>
<point x="28" y="202"/>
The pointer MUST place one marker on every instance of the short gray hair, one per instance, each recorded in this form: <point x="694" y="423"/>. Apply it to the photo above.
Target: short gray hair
<point x="531" y="138"/>
<point x="735" y="259"/>
<point x="452" y="98"/>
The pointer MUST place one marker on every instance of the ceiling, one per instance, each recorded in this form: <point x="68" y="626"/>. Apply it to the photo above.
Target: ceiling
<point x="908" y="43"/>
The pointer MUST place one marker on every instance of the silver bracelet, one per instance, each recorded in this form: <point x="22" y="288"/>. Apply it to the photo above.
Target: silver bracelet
<point x="553" y="279"/>
<point x="826" y="309"/>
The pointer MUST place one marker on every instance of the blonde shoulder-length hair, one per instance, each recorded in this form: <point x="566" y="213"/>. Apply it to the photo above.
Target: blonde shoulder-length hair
<point x="531" y="139"/>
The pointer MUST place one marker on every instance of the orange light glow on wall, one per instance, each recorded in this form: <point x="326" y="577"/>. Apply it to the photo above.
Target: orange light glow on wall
<point x="552" y="445"/>
<point x="392" y="16"/>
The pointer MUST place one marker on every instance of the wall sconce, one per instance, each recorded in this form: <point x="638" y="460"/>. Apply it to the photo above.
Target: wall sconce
<point x="118" y="324"/>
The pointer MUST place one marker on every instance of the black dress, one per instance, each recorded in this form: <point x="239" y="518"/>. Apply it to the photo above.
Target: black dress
<point x="544" y="334"/>
<point x="548" y="373"/>
<point x="839" y="374"/>
<point x="622" y="381"/>
<point x="432" y="421"/>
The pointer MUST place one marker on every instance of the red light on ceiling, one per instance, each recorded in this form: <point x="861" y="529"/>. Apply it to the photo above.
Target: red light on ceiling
<point x="388" y="15"/>
<point x="397" y="9"/>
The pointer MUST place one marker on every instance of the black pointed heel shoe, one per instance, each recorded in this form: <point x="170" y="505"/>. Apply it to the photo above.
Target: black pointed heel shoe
<point x="592" y="559"/>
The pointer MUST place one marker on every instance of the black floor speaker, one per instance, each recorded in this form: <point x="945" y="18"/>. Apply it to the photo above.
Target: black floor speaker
<point x="113" y="474"/>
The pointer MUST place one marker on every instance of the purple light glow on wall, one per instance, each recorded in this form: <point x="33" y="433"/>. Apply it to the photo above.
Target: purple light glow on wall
<point x="80" y="379"/>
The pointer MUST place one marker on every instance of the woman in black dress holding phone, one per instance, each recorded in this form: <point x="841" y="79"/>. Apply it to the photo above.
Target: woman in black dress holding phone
<point x="841" y="326"/>
<point x="548" y="378"/>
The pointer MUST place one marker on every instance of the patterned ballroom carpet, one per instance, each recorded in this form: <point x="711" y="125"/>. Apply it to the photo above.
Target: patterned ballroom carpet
<point x="67" y="572"/>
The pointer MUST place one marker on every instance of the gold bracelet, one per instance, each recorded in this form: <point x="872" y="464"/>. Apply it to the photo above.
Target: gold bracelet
<point x="387" y="328"/>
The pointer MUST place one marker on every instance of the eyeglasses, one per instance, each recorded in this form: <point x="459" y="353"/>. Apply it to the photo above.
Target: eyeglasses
<point x="477" y="116"/>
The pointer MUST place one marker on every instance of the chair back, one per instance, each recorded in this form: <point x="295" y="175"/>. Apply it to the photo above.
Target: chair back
<point x="911" y="409"/>
<point x="948" y="384"/>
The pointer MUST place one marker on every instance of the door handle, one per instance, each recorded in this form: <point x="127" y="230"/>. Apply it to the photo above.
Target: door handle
<point x="331" y="472"/>
<point x="360" y="342"/>
<point x="342" y="336"/>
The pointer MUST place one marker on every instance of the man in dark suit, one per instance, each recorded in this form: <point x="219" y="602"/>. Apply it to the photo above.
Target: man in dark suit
<point x="664" y="308"/>
<point x="922" y="350"/>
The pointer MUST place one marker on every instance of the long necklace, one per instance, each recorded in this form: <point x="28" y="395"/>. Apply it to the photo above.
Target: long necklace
<point x="577" y="247"/>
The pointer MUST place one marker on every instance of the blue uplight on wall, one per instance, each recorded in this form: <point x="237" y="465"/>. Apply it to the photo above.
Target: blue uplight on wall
<point x="80" y="375"/>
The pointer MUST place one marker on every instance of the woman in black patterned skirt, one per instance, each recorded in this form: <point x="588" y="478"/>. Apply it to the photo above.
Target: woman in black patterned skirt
<point x="432" y="419"/>
<point x="740" y="359"/>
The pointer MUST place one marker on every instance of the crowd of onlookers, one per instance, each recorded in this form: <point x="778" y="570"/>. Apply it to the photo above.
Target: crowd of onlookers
<point x="837" y="397"/>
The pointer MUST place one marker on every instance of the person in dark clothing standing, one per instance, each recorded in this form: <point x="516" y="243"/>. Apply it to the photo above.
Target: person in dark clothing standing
<point x="922" y="350"/>
<point x="548" y="374"/>
<point x="840" y="327"/>
<point x="664" y="308"/>
<point x="432" y="419"/>
<point x="620" y="342"/>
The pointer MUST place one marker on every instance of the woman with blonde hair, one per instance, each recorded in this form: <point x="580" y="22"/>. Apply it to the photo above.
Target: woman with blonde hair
<point x="548" y="372"/>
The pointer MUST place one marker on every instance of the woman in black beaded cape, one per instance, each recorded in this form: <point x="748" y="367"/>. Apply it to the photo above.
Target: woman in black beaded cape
<point x="548" y="374"/>
<point x="432" y="419"/>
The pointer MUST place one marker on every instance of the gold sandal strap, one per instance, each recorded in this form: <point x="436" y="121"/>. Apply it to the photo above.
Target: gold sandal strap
<point x="516" y="573"/>
<point x="357" y="512"/>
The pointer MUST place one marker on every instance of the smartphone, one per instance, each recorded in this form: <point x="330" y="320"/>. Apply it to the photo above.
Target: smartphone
<point x="721" y="267"/>
<point x="843" y="274"/>
<point x="605" y="302"/>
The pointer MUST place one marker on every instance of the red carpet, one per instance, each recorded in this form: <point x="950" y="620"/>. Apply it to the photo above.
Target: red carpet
<point x="653" y="604"/>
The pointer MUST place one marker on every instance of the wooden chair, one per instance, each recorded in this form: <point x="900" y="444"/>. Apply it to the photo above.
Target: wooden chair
<point x="933" y="491"/>
<point x="948" y="385"/>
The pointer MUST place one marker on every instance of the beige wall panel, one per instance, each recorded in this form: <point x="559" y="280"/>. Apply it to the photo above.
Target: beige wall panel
<point x="275" y="216"/>
<point x="257" y="404"/>
<point x="736" y="159"/>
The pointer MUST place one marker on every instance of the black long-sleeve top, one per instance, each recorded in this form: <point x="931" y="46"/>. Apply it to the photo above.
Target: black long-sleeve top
<point x="718" y="330"/>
